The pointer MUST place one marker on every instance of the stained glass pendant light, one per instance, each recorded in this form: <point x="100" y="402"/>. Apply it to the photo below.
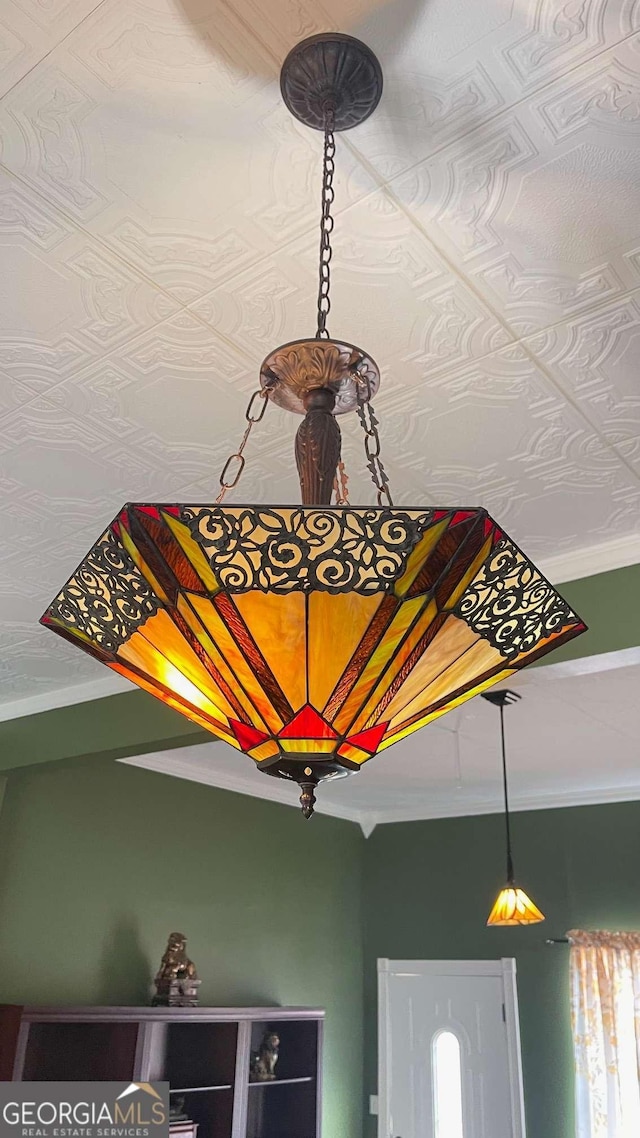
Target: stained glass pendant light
<point x="511" y="906"/>
<point x="312" y="637"/>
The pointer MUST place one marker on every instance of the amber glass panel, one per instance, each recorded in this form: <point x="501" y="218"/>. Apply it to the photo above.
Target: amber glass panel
<point x="277" y="623"/>
<point x="470" y="574"/>
<point x="419" y="555"/>
<point x="479" y="659"/>
<point x="138" y="559"/>
<point x="231" y="652"/>
<point x="161" y="631"/>
<point x="192" y="551"/>
<point x="513" y="907"/>
<point x="398" y="661"/>
<point x="394" y="734"/>
<point x="389" y="643"/>
<point x="337" y="624"/>
<point x="177" y="704"/>
<point x="233" y="688"/>
<point x="70" y="630"/>
<point x="150" y="662"/>
<point x="264" y="751"/>
<point x="309" y="746"/>
<point x="348" y="751"/>
<point x="454" y="638"/>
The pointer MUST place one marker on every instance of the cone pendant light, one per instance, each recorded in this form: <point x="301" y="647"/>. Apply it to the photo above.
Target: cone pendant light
<point x="512" y="906"/>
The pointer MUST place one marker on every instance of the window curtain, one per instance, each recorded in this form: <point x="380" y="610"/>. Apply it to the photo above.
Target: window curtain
<point x="605" y="1018"/>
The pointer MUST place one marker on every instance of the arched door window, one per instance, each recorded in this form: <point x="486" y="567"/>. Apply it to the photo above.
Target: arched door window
<point x="447" y="1086"/>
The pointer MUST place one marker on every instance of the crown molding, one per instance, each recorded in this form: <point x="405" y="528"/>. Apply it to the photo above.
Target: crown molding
<point x="557" y="801"/>
<point x="64" y="697"/>
<point x="602" y="558"/>
<point x="188" y="765"/>
<point x="180" y="763"/>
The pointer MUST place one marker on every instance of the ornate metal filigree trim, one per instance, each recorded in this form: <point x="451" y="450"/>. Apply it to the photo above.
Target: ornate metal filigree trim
<point x="286" y="550"/>
<point x="107" y="599"/>
<point x="511" y="605"/>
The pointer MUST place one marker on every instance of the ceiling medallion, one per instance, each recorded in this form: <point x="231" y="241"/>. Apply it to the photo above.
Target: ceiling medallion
<point x="312" y="637"/>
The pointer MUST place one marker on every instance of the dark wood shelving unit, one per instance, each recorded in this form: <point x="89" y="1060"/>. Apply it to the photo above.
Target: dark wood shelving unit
<point x="203" y="1053"/>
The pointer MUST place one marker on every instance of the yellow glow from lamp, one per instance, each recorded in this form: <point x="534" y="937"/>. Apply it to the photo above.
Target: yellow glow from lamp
<point x="513" y="907"/>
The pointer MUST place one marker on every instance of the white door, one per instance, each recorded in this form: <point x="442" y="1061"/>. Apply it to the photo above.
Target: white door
<point x="449" y="1050"/>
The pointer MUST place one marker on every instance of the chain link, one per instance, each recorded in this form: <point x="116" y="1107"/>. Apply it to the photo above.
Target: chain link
<point x="326" y="225"/>
<point x="237" y="457"/>
<point x="369" y="421"/>
<point x="341" y="485"/>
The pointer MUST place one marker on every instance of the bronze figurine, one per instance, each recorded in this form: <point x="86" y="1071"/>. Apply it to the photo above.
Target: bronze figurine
<point x="263" y="1061"/>
<point x="176" y="980"/>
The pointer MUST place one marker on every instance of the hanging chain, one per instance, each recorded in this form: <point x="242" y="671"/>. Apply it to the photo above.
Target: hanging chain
<point x="326" y="225"/>
<point x="369" y="421"/>
<point x="341" y="485"/>
<point x="237" y="457"/>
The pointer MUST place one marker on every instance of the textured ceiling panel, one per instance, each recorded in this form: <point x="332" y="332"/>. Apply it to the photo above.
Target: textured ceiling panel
<point x="159" y="229"/>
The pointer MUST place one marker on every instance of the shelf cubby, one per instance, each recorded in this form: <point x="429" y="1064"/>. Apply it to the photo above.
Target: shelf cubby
<point x="203" y="1053"/>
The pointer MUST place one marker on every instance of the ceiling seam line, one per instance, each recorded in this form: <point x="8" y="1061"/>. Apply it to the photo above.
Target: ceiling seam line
<point x="356" y="154"/>
<point x="100" y="241"/>
<point x="608" y="445"/>
<point x="493" y="118"/>
<point x="51" y="50"/>
<point x="521" y="341"/>
<point x="386" y="188"/>
<point x="78" y="227"/>
<point x="588" y="310"/>
<point x="506" y="327"/>
<point x="79" y="373"/>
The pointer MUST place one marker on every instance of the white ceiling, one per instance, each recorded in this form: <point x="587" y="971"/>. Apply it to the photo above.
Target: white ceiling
<point x="158" y="215"/>
<point x="572" y="740"/>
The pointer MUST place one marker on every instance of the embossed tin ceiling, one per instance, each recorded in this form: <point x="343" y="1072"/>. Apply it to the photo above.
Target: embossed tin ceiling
<point x="158" y="216"/>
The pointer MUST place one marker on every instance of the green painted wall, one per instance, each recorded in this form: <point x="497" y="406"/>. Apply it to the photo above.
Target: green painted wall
<point x="100" y="862"/>
<point x="428" y="890"/>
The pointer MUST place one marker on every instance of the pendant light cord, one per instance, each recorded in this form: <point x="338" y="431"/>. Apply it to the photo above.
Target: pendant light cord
<point x="326" y="225"/>
<point x="510" y="876"/>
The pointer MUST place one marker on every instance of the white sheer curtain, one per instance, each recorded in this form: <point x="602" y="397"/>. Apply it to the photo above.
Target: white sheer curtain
<point x="605" y="1015"/>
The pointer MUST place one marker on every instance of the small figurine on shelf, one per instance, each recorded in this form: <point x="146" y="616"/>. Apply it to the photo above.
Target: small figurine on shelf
<point x="176" y="981"/>
<point x="263" y="1061"/>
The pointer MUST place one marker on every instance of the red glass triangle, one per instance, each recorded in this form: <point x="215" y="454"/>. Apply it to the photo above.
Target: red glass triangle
<point x="173" y="510"/>
<point x="462" y="515"/>
<point x="370" y="739"/>
<point x="153" y="511"/>
<point x="438" y="514"/>
<point x="308" y="724"/>
<point x="246" y="735"/>
<point x="488" y="526"/>
<point x="115" y="528"/>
